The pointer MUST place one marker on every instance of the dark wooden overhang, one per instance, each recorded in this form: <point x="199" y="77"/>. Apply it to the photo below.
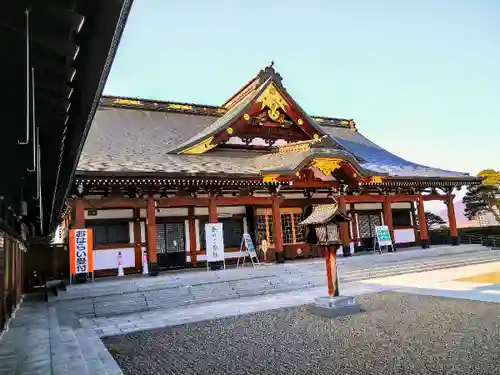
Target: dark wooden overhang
<point x="71" y="48"/>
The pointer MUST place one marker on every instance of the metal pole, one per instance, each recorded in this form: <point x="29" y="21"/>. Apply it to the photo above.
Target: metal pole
<point x="35" y="140"/>
<point x="39" y="179"/>
<point x="26" y="141"/>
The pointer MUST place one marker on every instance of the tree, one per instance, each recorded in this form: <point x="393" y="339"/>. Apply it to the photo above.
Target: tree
<point x="433" y="221"/>
<point x="481" y="199"/>
<point x="491" y="177"/>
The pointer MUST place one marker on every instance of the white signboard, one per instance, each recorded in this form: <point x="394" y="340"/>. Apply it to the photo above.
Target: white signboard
<point x="383" y="235"/>
<point x="214" y="238"/>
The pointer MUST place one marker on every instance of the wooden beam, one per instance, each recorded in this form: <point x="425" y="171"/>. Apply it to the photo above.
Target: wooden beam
<point x="100" y="204"/>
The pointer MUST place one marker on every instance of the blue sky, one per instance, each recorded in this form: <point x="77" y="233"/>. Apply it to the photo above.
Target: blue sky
<point x="420" y="78"/>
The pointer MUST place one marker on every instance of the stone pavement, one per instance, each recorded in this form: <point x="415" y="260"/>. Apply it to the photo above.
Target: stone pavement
<point x="140" y="295"/>
<point x="50" y="339"/>
<point x="41" y="340"/>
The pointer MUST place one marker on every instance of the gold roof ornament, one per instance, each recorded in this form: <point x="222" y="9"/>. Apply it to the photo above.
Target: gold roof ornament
<point x="297" y="146"/>
<point x="327" y="165"/>
<point x="127" y="102"/>
<point x="201" y="147"/>
<point x="376" y="180"/>
<point x="273" y="100"/>
<point x="270" y="178"/>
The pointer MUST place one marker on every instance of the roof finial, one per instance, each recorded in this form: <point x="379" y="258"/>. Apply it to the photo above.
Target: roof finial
<point x="272" y="64"/>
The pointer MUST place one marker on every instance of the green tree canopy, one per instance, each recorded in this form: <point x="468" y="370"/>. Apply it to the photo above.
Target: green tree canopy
<point x="433" y="221"/>
<point x="481" y="199"/>
<point x="491" y="177"/>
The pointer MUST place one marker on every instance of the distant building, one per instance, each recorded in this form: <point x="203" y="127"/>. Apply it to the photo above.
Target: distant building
<point x="485" y="220"/>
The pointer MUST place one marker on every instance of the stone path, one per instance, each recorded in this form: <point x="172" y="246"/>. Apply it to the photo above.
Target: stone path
<point x="142" y="295"/>
<point x="50" y="339"/>
<point x="41" y="340"/>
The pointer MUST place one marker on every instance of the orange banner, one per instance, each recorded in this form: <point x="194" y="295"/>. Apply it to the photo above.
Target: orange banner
<point x="81" y="254"/>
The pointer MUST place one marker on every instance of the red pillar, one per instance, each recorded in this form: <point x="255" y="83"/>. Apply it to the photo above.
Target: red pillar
<point x="212" y="211"/>
<point x="424" y="237"/>
<point x="79" y="206"/>
<point x="277" y="229"/>
<point x="331" y="271"/>
<point x="386" y="206"/>
<point x="151" y="231"/>
<point x="344" y="228"/>
<point x="192" y="234"/>
<point x="452" y="221"/>
<point x="354" y="221"/>
<point x="137" y="240"/>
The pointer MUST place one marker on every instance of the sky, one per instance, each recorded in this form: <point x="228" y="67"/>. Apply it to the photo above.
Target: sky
<point x="420" y="78"/>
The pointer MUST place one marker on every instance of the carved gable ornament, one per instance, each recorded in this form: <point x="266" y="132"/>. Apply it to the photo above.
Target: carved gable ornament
<point x="327" y="165"/>
<point x="272" y="99"/>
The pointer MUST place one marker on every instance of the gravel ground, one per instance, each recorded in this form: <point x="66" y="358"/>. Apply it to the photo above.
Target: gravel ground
<point x="396" y="334"/>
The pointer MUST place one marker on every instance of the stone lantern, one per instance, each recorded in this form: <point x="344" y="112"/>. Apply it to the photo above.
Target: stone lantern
<point x="323" y="230"/>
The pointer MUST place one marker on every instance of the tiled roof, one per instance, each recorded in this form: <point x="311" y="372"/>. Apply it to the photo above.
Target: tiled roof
<point x="132" y="140"/>
<point x="379" y="160"/>
<point x="170" y="164"/>
<point x="223" y="122"/>
<point x="133" y="132"/>
<point x="323" y="213"/>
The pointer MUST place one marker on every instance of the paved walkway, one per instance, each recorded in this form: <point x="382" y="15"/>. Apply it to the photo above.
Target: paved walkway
<point x="43" y="341"/>
<point x="47" y="339"/>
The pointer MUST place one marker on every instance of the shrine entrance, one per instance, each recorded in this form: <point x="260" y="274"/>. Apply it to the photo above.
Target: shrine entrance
<point x="170" y="245"/>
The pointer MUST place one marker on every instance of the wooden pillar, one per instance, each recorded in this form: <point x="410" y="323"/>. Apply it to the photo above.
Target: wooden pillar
<point x="79" y="206"/>
<point x="414" y="221"/>
<point x="151" y="231"/>
<point x="355" y="231"/>
<point x="277" y="229"/>
<point x="424" y="237"/>
<point x="137" y="240"/>
<point x="344" y="228"/>
<point x="386" y="206"/>
<point x="192" y="233"/>
<point x="212" y="211"/>
<point x="452" y="221"/>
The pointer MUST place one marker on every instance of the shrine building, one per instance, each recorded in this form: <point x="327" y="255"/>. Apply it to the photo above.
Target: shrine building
<point x="152" y="173"/>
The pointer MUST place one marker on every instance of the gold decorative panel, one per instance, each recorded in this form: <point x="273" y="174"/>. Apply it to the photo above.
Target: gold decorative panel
<point x="376" y="180"/>
<point x="201" y="147"/>
<point x="127" y="102"/>
<point x="272" y="99"/>
<point x="327" y="165"/>
<point x="270" y="178"/>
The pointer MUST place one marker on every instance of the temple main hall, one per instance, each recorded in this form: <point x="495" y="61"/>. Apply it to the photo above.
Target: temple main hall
<point x="152" y="173"/>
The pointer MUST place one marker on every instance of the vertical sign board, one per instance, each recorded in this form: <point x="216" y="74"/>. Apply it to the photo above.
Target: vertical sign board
<point x="81" y="257"/>
<point x="383" y="235"/>
<point x="249" y="245"/>
<point x="248" y="248"/>
<point x="214" y="238"/>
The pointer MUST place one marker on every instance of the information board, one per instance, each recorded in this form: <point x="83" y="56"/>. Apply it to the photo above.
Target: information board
<point x="214" y="237"/>
<point x="249" y="245"/>
<point x="383" y="235"/>
<point x="81" y="257"/>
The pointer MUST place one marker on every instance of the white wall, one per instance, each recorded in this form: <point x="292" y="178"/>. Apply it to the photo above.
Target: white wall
<point x="404" y="235"/>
